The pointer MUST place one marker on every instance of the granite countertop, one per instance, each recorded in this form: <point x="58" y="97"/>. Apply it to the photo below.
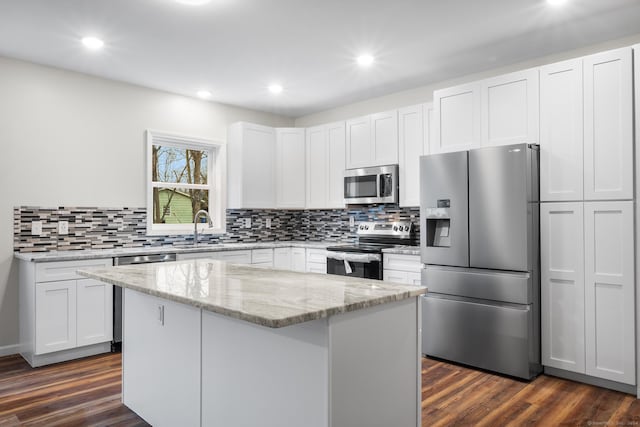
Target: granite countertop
<point x="266" y="297"/>
<point x="403" y="250"/>
<point x="148" y="250"/>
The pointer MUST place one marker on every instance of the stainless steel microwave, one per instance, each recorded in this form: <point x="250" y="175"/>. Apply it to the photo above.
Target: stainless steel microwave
<point x="371" y="185"/>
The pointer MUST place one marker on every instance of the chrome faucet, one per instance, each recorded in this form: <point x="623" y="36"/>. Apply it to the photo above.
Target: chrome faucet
<point x="195" y="224"/>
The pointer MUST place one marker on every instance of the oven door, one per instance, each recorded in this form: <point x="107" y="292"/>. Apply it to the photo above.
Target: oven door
<point x="367" y="266"/>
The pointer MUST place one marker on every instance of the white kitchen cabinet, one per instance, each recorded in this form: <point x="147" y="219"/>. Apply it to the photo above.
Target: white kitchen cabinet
<point x="608" y="117"/>
<point x="336" y="144"/>
<point x="325" y="166"/>
<point x="428" y="127"/>
<point x="169" y="332"/>
<point x="282" y="258"/>
<point x="262" y="257"/>
<point x="359" y="152"/>
<point x="55" y="316"/>
<point x="562" y="286"/>
<point x="94" y="314"/>
<point x="372" y="140"/>
<point x="401" y="268"/>
<point x="251" y="176"/>
<point x="384" y="138"/>
<point x="298" y="259"/>
<point x="457" y="118"/>
<point x="414" y="125"/>
<point x="235" y="257"/>
<point x="510" y="108"/>
<point x="609" y="296"/>
<point x="316" y="261"/>
<point x="196" y="255"/>
<point x="561" y="131"/>
<point x="63" y="316"/>
<point x="317" y="167"/>
<point x="290" y="168"/>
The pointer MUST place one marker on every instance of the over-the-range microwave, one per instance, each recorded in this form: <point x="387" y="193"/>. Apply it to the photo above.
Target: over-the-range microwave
<point x="371" y="185"/>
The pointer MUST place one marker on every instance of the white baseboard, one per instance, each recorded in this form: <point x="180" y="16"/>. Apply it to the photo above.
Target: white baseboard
<point x="8" y="350"/>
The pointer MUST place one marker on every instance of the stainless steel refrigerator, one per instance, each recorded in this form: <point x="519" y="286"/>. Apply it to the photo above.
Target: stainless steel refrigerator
<point x="479" y="213"/>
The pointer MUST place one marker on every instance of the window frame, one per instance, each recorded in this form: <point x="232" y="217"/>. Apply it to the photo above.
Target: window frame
<point x="216" y="182"/>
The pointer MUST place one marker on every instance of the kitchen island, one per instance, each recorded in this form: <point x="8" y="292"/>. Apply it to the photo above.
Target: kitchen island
<point x="211" y="343"/>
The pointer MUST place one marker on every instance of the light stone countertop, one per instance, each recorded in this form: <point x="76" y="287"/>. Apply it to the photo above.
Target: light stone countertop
<point x="148" y="250"/>
<point x="403" y="250"/>
<point x="272" y="298"/>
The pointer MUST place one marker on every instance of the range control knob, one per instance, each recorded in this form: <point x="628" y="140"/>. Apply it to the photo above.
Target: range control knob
<point x="366" y="227"/>
<point x="395" y="228"/>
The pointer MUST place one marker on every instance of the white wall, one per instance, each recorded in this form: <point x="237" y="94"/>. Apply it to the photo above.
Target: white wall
<point x="75" y="140"/>
<point x="425" y="93"/>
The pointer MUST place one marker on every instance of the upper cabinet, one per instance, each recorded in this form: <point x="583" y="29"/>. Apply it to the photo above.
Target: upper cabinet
<point x="290" y="168"/>
<point x="372" y="140"/>
<point x="510" y="108"/>
<point x="456" y="124"/>
<point x="325" y="166"/>
<point x="414" y="129"/>
<point x="251" y="176"/>
<point x="561" y="131"/>
<point x="586" y="128"/>
<point x="608" y="136"/>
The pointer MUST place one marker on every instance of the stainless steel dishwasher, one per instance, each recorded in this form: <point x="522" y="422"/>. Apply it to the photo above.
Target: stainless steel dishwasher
<point x="116" y="344"/>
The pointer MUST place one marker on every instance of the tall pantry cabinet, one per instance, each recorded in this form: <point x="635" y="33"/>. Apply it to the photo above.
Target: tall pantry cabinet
<point x="587" y="216"/>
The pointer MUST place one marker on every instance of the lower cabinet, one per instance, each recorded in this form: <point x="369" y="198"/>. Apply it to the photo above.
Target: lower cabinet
<point x="316" y="261"/>
<point x="282" y="258"/>
<point x="63" y="316"/>
<point x="588" y="310"/>
<point x="400" y="268"/>
<point x="298" y="259"/>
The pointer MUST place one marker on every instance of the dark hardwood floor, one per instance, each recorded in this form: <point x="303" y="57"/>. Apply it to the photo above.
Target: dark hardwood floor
<point x="87" y="393"/>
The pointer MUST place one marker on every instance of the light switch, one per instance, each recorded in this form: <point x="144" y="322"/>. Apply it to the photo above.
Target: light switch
<point x="36" y="228"/>
<point x="63" y="228"/>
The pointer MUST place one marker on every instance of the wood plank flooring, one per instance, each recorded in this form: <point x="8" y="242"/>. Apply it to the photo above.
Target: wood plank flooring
<point x="87" y="393"/>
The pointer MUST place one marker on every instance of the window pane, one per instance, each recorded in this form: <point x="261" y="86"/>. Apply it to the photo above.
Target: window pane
<point x="178" y="205"/>
<point x="179" y="165"/>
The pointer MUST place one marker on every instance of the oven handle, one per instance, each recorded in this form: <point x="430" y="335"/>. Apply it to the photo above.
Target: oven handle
<point x="354" y="257"/>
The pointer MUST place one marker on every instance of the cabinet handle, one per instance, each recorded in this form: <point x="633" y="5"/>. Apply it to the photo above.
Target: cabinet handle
<point x="161" y="315"/>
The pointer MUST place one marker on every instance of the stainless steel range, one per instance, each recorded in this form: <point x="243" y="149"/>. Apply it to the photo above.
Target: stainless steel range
<point x="364" y="259"/>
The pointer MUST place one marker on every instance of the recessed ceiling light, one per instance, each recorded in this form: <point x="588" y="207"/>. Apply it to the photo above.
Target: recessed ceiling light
<point x="204" y="94"/>
<point x="193" y="2"/>
<point x="92" y="43"/>
<point x="365" y="60"/>
<point x="275" y="88"/>
<point x="556" y="2"/>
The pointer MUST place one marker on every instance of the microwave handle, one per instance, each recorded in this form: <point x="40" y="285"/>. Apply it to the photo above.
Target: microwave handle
<point x="381" y="181"/>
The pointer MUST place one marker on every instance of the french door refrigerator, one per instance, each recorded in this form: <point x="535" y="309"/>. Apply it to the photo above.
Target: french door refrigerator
<point x="479" y="213"/>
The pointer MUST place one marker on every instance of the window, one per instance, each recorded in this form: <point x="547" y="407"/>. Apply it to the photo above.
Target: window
<point x="184" y="175"/>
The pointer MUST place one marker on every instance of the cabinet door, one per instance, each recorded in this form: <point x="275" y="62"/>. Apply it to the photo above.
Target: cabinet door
<point x="55" y="316"/>
<point x="411" y="146"/>
<point x="384" y="138"/>
<point x="337" y="164"/>
<point x="561" y="131"/>
<point x="510" y="109"/>
<point x="608" y="117"/>
<point x="282" y="258"/>
<point x="395" y="276"/>
<point x="258" y="174"/>
<point x="161" y="360"/>
<point x="290" y="168"/>
<point x="236" y="257"/>
<point x="359" y="149"/>
<point x="298" y="259"/>
<point x="609" y="274"/>
<point x="428" y="127"/>
<point x="317" y="167"/>
<point x="562" y="285"/>
<point x="456" y="124"/>
<point x="94" y="304"/>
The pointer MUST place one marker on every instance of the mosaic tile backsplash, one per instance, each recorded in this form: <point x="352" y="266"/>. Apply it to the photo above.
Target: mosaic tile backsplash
<point x="106" y="228"/>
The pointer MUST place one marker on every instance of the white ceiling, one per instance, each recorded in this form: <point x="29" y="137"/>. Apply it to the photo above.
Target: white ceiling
<point x="236" y="48"/>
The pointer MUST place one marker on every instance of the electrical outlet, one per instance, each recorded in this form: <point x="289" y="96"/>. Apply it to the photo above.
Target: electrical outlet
<point x="352" y="221"/>
<point x="267" y="222"/>
<point x="247" y="223"/>
<point x="36" y="228"/>
<point x="63" y="228"/>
